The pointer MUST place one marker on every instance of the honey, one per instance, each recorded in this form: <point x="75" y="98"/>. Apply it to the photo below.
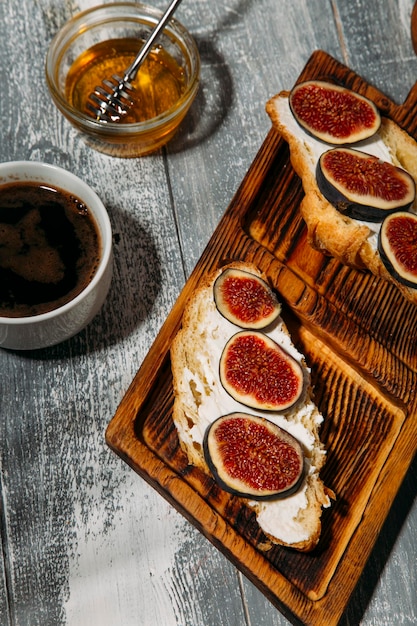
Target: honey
<point x="158" y="85"/>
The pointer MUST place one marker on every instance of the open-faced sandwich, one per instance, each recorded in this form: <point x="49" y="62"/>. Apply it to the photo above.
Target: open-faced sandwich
<point x="243" y="407"/>
<point x="358" y="171"/>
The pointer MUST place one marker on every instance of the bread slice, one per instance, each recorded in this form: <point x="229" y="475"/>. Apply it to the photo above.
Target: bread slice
<point x="353" y="242"/>
<point x="200" y="399"/>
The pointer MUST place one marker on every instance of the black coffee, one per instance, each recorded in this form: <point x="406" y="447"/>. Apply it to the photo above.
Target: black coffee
<point x="49" y="248"/>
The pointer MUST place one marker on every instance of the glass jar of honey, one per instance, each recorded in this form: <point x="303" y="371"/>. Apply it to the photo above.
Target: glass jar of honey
<point x="103" y="41"/>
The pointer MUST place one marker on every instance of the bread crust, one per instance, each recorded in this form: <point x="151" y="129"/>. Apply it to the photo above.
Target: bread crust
<point x="328" y="230"/>
<point x="192" y="367"/>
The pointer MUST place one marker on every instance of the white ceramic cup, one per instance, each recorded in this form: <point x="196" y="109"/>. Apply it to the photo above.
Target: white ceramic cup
<point x="48" y="329"/>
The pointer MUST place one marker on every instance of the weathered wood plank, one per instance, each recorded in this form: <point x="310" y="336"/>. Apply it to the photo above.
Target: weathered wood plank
<point x="377" y="43"/>
<point x="80" y="525"/>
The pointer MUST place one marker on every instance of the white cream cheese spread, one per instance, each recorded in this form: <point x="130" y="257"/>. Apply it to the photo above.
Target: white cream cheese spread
<point x="209" y="400"/>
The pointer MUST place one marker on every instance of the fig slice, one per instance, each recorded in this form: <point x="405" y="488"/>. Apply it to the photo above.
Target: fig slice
<point x="332" y="113"/>
<point x="260" y="374"/>
<point x="252" y="457"/>
<point x="245" y="299"/>
<point x="362" y="186"/>
<point x="397" y="245"/>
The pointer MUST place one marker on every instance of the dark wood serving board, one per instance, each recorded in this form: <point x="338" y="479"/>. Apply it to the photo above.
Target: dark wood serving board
<point x="359" y="336"/>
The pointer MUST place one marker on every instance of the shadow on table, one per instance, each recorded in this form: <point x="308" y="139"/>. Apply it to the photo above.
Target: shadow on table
<point x="384" y="545"/>
<point x="216" y="93"/>
<point x="212" y="104"/>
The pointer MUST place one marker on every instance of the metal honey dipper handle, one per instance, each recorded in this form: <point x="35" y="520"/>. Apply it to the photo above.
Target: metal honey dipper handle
<point x="111" y="100"/>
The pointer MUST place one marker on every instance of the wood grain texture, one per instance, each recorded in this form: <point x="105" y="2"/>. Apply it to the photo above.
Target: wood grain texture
<point x="84" y="539"/>
<point x="365" y="380"/>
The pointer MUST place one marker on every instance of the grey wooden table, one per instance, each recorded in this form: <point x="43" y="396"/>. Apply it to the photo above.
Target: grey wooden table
<point x="85" y="541"/>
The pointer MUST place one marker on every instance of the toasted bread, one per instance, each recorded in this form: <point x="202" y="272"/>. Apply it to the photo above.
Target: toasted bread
<point x="351" y="241"/>
<point x="200" y="399"/>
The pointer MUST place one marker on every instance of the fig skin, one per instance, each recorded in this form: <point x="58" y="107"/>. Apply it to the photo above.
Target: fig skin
<point x="397" y="246"/>
<point x="333" y="113"/>
<point x="256" y="459"/>
<point x="362" y="186"/>
<point x="245" y="299"/>
<point x="258" y="373"/>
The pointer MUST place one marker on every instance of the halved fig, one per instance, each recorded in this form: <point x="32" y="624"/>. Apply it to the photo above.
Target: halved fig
<point x="362" y="186"/>
<point x="251" y="457"/>
<point x="257" y="372"/>
<point x="245" y="299"/>
<point x="332" y="113"/>
<point x="397" y="244"/>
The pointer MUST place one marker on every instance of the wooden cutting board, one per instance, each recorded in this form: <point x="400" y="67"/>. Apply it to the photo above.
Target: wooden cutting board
<point x="359" y="337"/>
